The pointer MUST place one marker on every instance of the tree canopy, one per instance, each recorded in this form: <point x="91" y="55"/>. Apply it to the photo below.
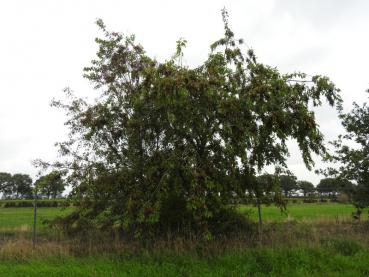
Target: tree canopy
<point x="306" y="187"/>
<point x="16" y="186"/>
<point x="6" y="185"/>
<point x="288" y="184"/>
<point x="352" y="153"/>
<point x="50" y="185"/>
<point x="328" y="186"/>
<point x="161" y="131"/>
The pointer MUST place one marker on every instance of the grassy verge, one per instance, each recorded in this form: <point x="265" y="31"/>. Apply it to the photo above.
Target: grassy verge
<point x="301" y="261"/>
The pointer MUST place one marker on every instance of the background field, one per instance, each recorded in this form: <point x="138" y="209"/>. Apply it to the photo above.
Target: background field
<point x="314" y="211"/>
<point x="23" y="217"/>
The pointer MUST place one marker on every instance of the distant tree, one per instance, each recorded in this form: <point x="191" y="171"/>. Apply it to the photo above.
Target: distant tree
<point x="267" y="184"/>
<point x="162" y="131"/>
<point x="22" y="186"/>
<point x="328" y="187"/>
<point x="50" y="185"/>
<point x="288" y="184"/>
<point x="346" y="187"/>
<point x="306" y="187"/>
<point x="6" y="185"/>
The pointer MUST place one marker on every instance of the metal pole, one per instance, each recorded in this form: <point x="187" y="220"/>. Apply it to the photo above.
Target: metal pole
<point x="260" y="220"/>
<point x="34" y="220"/>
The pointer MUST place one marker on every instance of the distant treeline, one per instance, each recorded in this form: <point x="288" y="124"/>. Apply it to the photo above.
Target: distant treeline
<point x="21" y="186"/>
<point x="327" y="187"/>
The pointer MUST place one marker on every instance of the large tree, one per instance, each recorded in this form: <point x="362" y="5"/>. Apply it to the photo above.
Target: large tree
<point x="50" y="185"/>
<point x="306" y="187"/>
<point x="352" y="153"/>
<point x="328" y="187"/>
<point x="288" y="184"/>
<point x="22" y="186"/>
<point x="163" y="132"/>
<point x="6" y="186"/>
<point x="346" y="187"/>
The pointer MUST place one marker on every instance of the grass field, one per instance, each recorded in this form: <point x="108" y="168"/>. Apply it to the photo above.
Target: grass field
<point x="301" y="212"/>
<point x="23" y="217"/>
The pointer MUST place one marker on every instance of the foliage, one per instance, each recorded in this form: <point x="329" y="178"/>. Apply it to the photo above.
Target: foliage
<point x="16" y="186"/>
<point x="23" y="204"/>
<point x="50" y="185"/>
<point x="347" y="188"/>
<point x="310" y="201"/>
<point x="22" y="186"/>
<point x="288" y="184"/>
<point x="229" y="222"/>
<point x="328" y="186"/>
<point x="6" y="184"/>
<point x="306" y="187"/>
<point x="334" y="186"/>
<point x="162" y="130"/>
<point x="352" y="155"/>
<point x="266" y="190"/>
<point x="343" y="198"/>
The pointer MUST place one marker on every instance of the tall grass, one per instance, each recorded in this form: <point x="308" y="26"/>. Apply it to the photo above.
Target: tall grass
<point x="321" y="248"/>
<point x="296" y="261"/>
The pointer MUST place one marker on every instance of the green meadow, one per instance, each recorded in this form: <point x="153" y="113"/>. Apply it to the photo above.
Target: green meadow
<point x="310" y="212"/>
<point x="23" y="216"/>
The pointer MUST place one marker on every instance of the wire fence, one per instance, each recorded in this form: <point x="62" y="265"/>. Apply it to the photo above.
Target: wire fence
<point x="27" y="219"/>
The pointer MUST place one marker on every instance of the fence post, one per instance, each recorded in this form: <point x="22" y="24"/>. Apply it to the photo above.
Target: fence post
<point x="34" y="220"/>
<point x="260" y="225"/>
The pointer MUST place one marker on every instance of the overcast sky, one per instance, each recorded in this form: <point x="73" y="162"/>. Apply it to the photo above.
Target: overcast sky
<point x="45" y="44"/>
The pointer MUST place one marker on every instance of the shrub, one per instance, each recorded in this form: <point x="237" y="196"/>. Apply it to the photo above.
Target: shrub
<point x="174" y="215"/>
<point x="9" y="205"/>
<point x="228" y="221"/>
<point x="310" y="201"/>
<point x="343" y="198"/>
<point x="40" y="203"/>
